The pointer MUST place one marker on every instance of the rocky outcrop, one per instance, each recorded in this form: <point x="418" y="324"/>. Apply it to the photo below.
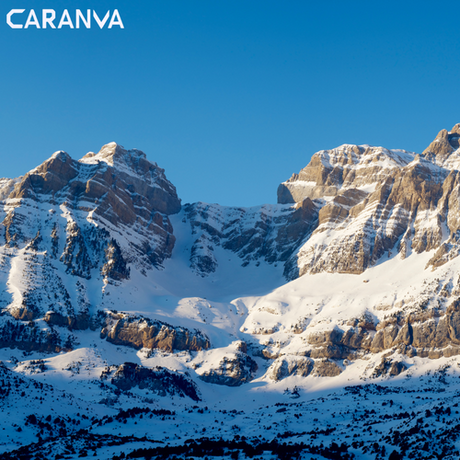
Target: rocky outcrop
<point x="75" y="255"/>
<point x="232" y="370"/>
<point x="80" y="322"/>
<point x="141" y="182"/>
<point x="331" y="172"/>
<point x="139" y="332"/>
<point x="115" y="267"/>
<point x="29" y="337"/>
<point x="389" y="368"/>
<point x="338" y="344"/>
<point x="443" y="145"/>
<point x="202" y="258"/>
<point x="326" y="368"/>
<point x="290" y="365"/>
<point x="23" y="313"/>
<point x="271" y="233"/>
<point x="158" y="380"/>
<point x="430" y="334"/>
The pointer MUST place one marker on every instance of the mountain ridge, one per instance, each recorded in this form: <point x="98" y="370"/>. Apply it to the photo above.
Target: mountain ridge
<point x="352" y="276"/>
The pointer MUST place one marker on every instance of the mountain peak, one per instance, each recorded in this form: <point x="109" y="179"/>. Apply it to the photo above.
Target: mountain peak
<point x="455" y="129"/>
<point x="112" y="153"/>
<point x="60" y="155"/>
<point x="444" y="143"/>
<point x="349" y="166"/>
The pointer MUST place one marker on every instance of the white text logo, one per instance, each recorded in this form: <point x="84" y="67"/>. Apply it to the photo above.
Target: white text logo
<point x="15" y="19"/>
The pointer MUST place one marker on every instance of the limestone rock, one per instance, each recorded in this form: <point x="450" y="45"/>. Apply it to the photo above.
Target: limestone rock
<point x="292" y="365"/>
<point x="233" y="370"/>
<point x="331" y="171"/>
<point x="353" y="338"/>
<point x="440" y="147"/>
<point x="453" y="322"/>
<point x="270" y="232"/>
<point x="159" y="380"/>
<point x="395" y="201"/>
<point x="389" y="367"/>
<point x="326" y="368"/>
<point x="115" y="185"/>
<point x="329" y="351"/>
<point x="424" y="334"/>
<point x="23" y="314"/>
<point x="332" y="337"/>
<point x="115" y="267"/>
<point x="80" y="322"/>
<point x="139" y="332"/>
<point x="29" y="337"/>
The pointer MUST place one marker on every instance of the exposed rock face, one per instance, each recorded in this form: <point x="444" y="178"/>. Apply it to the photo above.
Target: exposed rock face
<point x="294" y="365"/>
<point x="94" y="218"/>
<point x="326" y="368"/>
<point x="389" y="367"/>
<point x="444" y="144"/>
<point x="159" y="380"/>
<point x="232" y="370"/>
<point x="202" y="258"/>
<point x="431" y="334"/>
<point x="29" y="337"/>
<point x="330" y="172"/>
<point x="139" y="332"/>
<point x="271" y="233"/>
<point x="115" y="268"/>
<point x="375" y="202"/>
<point x="80" y="322"/>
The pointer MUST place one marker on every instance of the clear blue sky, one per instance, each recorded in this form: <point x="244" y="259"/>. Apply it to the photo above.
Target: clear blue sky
<point x="230" y="97"/>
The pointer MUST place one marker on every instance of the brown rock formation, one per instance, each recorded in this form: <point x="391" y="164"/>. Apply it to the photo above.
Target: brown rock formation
<point x="326" y="368"/>
<point x="429" y="334"/>
<point x="139" y="332"/>
<point x="284" y="367"/>
<point x="232" y="370"/>
<point x="389" y="367"/>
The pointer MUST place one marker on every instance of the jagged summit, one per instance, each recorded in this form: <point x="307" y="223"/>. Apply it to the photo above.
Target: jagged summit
<point x="60" y="155"/>
<point x="330" y="172"/>
<point x="113" y="153"/>
<point x="113" y="169"/>
<point x="443" y="149"/>
<point x="378" y="200"/>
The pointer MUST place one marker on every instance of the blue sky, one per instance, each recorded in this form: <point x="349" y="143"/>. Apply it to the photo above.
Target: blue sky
<point x="230" y="97"/>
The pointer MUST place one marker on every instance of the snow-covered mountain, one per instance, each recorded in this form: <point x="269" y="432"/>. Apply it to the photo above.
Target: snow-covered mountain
<point x="124" y="311"/>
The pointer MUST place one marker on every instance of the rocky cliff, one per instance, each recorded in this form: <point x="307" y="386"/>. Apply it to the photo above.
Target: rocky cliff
<point x="270" y="233"/>
<point x="374" y="202"/>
